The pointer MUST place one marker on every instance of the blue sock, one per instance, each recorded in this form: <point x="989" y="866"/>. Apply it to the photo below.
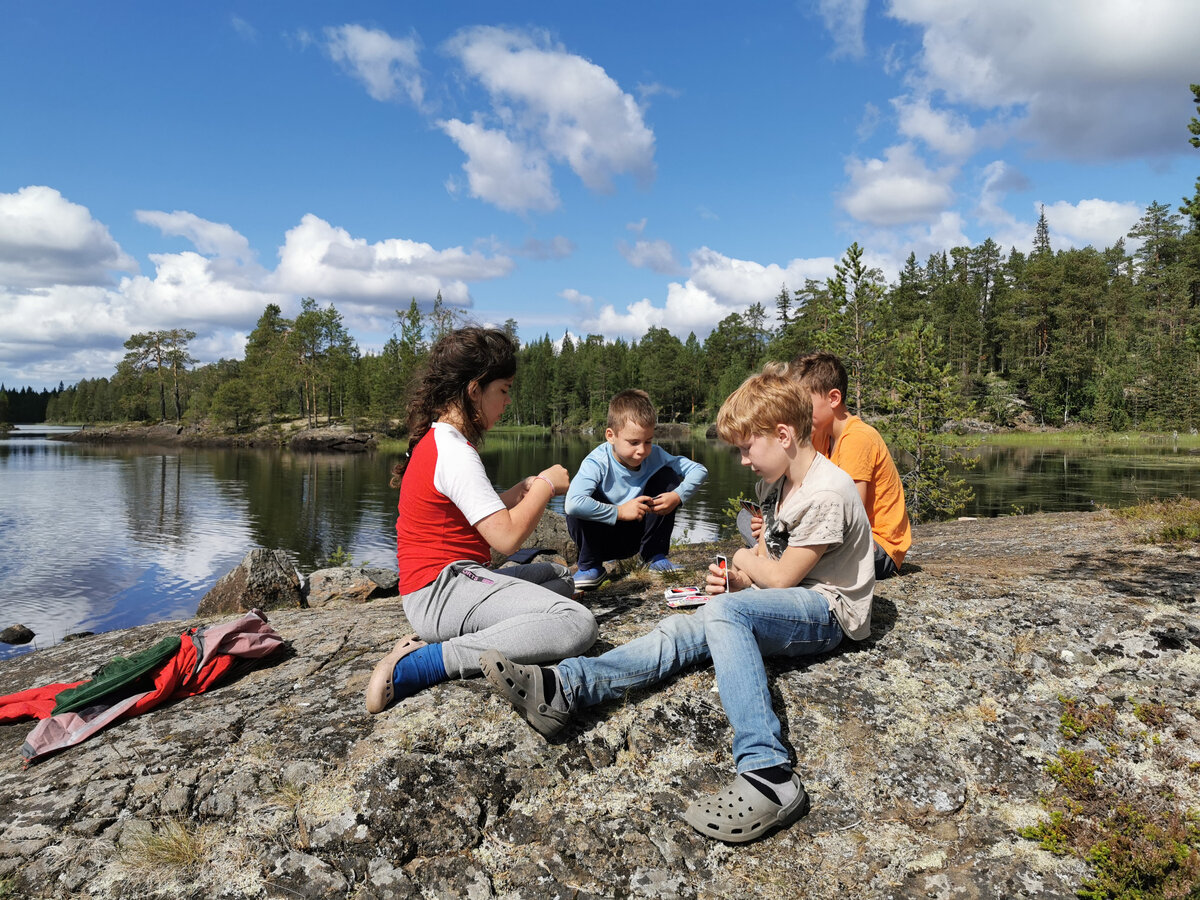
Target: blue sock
<point x="417" y="671"/>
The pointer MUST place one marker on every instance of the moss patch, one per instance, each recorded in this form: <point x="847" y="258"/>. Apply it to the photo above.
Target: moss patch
<point x="1138" y="839"/>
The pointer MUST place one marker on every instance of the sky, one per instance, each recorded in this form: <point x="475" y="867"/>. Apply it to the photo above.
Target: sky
<point x="582" y="168"/>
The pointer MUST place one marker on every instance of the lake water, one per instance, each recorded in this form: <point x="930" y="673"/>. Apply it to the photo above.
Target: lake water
<point x="94" y="538"/>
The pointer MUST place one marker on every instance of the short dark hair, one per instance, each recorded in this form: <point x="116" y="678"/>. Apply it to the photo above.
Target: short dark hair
<point x="634" y="406"/>
<point x="821" y="372"/>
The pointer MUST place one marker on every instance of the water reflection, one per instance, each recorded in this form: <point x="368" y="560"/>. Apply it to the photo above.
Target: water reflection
<point x="100" y="537"/>
<point x="1039" y="479"/>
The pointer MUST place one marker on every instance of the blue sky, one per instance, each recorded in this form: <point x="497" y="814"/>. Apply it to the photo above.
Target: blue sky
<point x="581" y="167"/>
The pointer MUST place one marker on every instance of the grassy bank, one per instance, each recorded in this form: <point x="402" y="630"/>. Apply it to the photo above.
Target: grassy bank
<point x="1076" y="439"/>
<point x="1165" y="521"/>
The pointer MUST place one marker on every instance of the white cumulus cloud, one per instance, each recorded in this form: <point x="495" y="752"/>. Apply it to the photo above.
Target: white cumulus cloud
<point x="320" y="259"/>
<point x="845" y="20"/>
<point x="61" y="312"/>
<point x="501" y="171"/>
<point x="657" y="256"/>
<point x="740" y="283"/>
<point x="1065" y="66"/>
<point x="942" y="130"/>
<point x="1099" y="223"/>
<point x="46" y="240"/>
<point x="548" y="105"/>
<point x="896" y="190"/>
<point x="388" y="66"/>
<point x="717" y="286"/>
<point x="215" y="238"/>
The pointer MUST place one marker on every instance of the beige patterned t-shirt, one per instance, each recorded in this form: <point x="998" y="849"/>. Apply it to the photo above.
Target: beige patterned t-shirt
<point x="826" y="509"/>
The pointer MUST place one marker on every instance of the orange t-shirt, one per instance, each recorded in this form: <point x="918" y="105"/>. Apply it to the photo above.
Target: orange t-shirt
<point x="861" y="453"/>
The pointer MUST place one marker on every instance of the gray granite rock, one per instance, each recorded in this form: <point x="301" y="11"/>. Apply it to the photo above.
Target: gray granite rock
<point x="265" y="579"/>
<point x="349" y="584"/>
<point x="332" y="440"/>
<point x="551" y="534"/>
<point x="923" y="749"/>
<point x="16" y="634"/>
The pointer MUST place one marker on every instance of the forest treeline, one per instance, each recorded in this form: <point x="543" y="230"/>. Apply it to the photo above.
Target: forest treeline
<point x="1105" y="338"/>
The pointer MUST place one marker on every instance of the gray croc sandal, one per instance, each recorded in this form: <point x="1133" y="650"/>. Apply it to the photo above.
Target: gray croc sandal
<point x="741" y="813"/>
<point x="380" y="690"/>
<point x="522" y="686"/>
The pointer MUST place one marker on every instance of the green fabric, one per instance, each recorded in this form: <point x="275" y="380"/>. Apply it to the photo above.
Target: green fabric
<point x="119" y="673"/>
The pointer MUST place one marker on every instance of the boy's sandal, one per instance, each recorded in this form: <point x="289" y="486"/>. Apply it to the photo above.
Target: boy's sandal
<point x="523" y="687"/>
<point x="381" y="690"/>
<point x="741" y="813"/>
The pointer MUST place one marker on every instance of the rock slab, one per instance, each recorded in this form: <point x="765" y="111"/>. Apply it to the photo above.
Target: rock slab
<point x="923" y="749"/>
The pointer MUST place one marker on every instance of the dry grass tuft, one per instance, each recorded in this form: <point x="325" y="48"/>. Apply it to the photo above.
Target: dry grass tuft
<point x="176" y="844"/>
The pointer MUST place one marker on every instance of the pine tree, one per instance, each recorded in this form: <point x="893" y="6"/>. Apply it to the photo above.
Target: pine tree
<point x="858" y="290"/>
<point x="269" y="363"/>
<point x="783" y="307"/>
<point x="1041" y="238"/>
<point x="923" y="400"/>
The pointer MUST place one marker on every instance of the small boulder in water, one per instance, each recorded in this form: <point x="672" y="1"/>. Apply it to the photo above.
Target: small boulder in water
<point x="16" y="634"/>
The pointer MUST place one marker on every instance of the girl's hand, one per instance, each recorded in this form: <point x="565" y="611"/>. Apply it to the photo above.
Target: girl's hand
<point x="558" y="477"/>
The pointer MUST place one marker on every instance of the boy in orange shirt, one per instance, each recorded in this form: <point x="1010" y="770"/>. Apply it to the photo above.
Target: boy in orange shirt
<point x="857" y="449"/>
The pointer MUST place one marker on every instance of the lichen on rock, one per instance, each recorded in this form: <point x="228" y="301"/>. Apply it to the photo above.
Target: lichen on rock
<point x="924" y="748"/>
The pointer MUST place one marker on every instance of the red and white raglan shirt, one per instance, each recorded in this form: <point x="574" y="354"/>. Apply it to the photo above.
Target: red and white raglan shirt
<point x="445" y="491"/>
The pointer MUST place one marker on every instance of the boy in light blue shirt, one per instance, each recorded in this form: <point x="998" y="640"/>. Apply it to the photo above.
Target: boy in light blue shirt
<point x="623" y="499"/>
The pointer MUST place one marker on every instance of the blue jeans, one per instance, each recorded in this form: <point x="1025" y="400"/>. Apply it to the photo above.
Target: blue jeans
<point x="736" y="631"/>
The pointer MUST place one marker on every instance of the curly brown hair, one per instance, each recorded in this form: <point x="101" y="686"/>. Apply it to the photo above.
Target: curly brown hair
<point x="456" y="361"/>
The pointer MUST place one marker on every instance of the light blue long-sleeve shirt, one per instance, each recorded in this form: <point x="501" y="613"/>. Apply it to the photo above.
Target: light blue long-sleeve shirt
<point x="619" y="483"/>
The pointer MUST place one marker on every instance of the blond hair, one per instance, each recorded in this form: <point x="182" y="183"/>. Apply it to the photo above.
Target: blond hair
<point x="763" y="401"/>
<point x="633" y="406"/>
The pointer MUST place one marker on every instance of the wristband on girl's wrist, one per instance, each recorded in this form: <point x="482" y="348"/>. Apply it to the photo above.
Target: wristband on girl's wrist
<point x="553" y="491"/>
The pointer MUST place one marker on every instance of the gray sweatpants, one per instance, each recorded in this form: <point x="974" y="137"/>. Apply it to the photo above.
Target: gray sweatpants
<point x="526" y="612"/>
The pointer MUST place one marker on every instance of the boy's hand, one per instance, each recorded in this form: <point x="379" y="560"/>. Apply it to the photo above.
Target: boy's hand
<point x="634" y="510"/>
<point x="756" y="527"/>
<point x="716" y="579"/>
<point x="665" y="503"/>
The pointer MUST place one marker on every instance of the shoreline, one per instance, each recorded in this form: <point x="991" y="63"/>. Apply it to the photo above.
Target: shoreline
<point x="333" y="438"/>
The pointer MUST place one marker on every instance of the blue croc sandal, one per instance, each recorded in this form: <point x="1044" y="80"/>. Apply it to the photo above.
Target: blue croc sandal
<point x="741" y="813"/>
<point x="523" y="687"/>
